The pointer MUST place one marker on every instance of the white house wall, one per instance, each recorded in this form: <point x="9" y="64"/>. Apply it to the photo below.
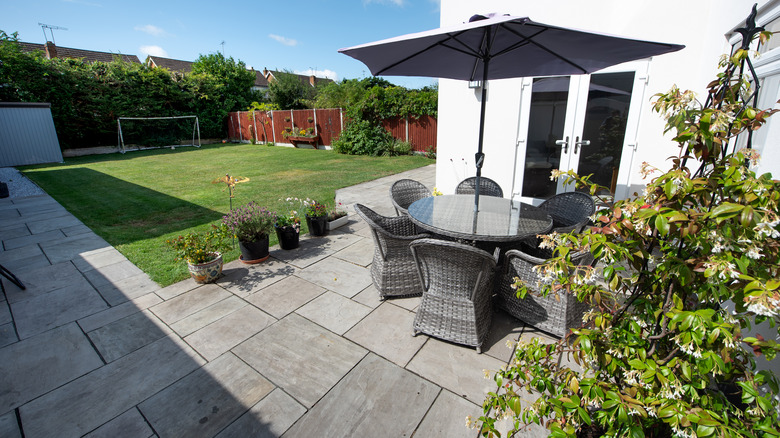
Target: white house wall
<point x="699" y="25"/>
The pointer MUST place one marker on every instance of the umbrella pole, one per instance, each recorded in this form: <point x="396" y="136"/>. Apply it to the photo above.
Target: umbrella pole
<point x="479" y="157"/>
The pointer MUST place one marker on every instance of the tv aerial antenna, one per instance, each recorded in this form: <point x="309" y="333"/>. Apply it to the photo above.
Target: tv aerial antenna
<point x="51" y="30"/>
<point x="223" y="48"/>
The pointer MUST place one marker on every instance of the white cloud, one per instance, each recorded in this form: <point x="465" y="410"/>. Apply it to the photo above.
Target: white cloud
<point x="153" y="51"/>
<point x="283" y="40"/>
<point x="330" y="74"/>
<point x="151" y="30"/>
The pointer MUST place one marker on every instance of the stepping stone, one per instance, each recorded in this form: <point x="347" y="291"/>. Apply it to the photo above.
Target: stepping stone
<point x="376" y="398"/>
<point x="334" y="312"/>
<point x="127" y="335"/>
<point x="387" y="331"/>
<point x="39" y="364"/>
<point x="100" y="396"/>
<point x="269" y="418"/>
<point x="301" y="357"/>
<point x="207" y="400"/>
<point x="338" y="276"/>
<point x="283" y="297"/>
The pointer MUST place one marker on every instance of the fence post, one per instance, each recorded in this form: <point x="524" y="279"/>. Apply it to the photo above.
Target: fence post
<point x="315" y="122"/>
<point x="240" y="134"/>
<point x="407" y="128"/>
<point x="273" y="126"/>
<point x="254" y="122"/>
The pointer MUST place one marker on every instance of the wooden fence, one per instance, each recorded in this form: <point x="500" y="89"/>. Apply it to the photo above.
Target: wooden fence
<point x="243" y="126"/>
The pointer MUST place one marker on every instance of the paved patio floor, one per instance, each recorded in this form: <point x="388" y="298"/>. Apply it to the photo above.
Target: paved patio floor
<point x="298" y="346"/>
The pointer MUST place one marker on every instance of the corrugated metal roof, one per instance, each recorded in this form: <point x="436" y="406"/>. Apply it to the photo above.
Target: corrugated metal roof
<point x="27" y="134"/>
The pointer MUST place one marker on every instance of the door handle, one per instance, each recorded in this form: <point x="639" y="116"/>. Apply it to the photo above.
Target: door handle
<point x="564" y="144"/>
<point x="577" y="143"/>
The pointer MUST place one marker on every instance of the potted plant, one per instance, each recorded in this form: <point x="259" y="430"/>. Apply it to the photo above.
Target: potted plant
<point x="316" y="217"/>
<point x="203" y="252"/>
<point x="301" y="135"/>
<point x="337" y="217"/>
<point x="251" y="224"/>
<point x="288" y="223"/>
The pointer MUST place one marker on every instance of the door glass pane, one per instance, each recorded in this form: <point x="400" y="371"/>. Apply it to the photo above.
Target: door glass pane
<point x="609" y="97"/>
<point x="545" y="125"/>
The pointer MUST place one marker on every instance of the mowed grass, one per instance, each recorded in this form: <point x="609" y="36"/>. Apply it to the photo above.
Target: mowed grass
<point x="139" y="200"/>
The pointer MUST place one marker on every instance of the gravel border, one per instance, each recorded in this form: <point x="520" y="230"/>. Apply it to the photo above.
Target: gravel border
<point x="19" y="186"/>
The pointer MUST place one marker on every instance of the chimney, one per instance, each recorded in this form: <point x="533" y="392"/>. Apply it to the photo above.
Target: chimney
<point x="265" y="72"/>
<point x="312" y="80"/>
<point x="51" y="50"/>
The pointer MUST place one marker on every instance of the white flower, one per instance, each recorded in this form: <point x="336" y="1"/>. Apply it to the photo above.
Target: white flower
<point x="754" y="253"/>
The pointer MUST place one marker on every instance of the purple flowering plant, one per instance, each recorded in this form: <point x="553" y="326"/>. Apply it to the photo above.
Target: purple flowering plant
<point x="250" y="222"/>
<point x="314" y="209"/>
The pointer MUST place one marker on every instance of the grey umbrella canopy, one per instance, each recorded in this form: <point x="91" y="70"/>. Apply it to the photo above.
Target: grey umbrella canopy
<point x="500" y="47"/>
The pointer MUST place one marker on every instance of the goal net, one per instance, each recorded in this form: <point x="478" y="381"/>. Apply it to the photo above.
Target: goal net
<point x="155" y="132"/>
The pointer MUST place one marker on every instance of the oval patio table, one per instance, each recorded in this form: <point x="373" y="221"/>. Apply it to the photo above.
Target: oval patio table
<point x="498" y="220"/>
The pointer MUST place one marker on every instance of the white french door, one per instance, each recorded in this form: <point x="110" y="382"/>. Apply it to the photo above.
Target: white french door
<point x="583" y="123"/>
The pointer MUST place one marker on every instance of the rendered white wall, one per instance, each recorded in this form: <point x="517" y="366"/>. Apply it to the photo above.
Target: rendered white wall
<point x="699" y="25"/>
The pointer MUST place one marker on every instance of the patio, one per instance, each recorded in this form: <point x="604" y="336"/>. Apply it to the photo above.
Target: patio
<point x="300" y="345"/>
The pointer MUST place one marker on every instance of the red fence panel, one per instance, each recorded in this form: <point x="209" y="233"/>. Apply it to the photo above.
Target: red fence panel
<point x="422" y="133"/>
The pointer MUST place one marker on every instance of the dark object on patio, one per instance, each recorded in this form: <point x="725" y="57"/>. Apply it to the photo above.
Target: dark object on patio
<point x="4" y="190"/>
<point x="570" y="211"/>
<point x="487" y="187"/>
<point x="11" y="277"/>
<point x="550" y="314"/>
<point x="405" y="191"/>
<point x="457" y="284"/>
<point x="393" y="270"/>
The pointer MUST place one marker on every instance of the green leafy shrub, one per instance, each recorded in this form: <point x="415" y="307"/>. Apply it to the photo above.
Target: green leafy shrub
<point x="361" y="137"/>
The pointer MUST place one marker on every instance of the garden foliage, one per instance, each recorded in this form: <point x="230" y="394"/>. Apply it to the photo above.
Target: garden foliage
<point x="688" y="268"/>
<point x="87" y="98"/>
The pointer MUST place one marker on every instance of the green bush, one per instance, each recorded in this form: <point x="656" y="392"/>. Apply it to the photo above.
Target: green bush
<point x="361" y="137"/>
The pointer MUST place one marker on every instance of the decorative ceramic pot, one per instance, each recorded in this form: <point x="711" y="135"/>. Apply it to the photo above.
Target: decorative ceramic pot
<point x="318" y="226"/>
<point x="254" y="252"/>
<point x="288" y="237"/>
<point x="207" y="272"/>
<point x="332" y="225"/>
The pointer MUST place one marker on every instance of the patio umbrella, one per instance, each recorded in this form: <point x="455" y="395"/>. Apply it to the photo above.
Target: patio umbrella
<point x="500" y="47"/>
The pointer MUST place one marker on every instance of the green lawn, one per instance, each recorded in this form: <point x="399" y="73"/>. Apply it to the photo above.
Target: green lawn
<point x="138" y="200"/>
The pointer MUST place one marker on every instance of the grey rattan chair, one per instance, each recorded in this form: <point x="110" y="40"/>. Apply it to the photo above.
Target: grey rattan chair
<point x="555" y="316"/>
<point x="487" y="187"/>
<point x="457" y="284"/>
<point x="570" y="211"/>
<point x="405" y="191"/>
<point x="393" y="269"/>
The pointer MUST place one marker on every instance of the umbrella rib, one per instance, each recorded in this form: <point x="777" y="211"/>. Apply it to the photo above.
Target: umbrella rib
<point x="421" y="51"/>
<point x="530" y="40"/>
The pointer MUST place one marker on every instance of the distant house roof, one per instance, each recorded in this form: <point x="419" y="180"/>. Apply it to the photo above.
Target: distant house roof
<point x="312" y="80"/>
<point x="260" y="80"/>
<point x="51" y="51"/>
<point x="170" y="64"/>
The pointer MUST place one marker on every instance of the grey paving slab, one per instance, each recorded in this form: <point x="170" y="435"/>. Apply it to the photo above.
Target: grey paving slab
<point x="55" y="308"/>
<point x="9" y="426"/>
<point x="387" y="331"/>
<point x="215" y="312"/>
<point x="308" y="252"/>
<point x="504" y="333"/>
<point x="90" y="401"/>
<point x="128" y="334"/>
<point x="189" y="303"/>
<point x="34" y="366"/>
<point x="70" y="247"/>
<point x="334" y="312"/>
<point x="376" y="398"/>
<point x="315" y="358"/>
<point x="9" y="213"/>
<point x="368" y="297"/>
<point x="360" y="253"/>
<point x="75" y="230"/>
<point x="126" y="289"/>
<point x="33" y="239"/>
<point x="128" y="425"/>
<point x="283" y="297"/>
<point x="447" y="418"/>
<point x="13" y="232"/>
<point x="51" y="223"/>
<point x="112" y="273"/>
<point x="408" y="303"/>
<point x="15" y="259"/>
<point x="269" y="418"/>
<point x="5" y="312"/>
<point x="116" y="313"/>
<point x="97" y="259"/>
<point x="177" y="289"/>
<point x="214" y="339"/>
<point x="207" y="400"/>
<point x="33" y="209"/>
<point x="44" y="279"/>
<point x="243" y="279"/>
<point x="7" y="334"/>
<point x="457" y="368"/>
<point x="338" y="276"/>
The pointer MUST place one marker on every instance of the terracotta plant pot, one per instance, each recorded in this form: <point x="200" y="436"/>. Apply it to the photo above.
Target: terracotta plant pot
<point x="207" y="272"/>
<point x="318" y="226"/>
<point x="288" y="237"/>
<point x="254" y="252"/>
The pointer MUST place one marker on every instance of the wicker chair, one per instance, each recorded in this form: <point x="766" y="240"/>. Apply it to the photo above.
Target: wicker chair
<point x="570" y="211"/>
<point x="393" y="269"/>
<point x="487" y="187"/>
<point x="457" y="284"/>
<point x="405" y="191"/>
<point x="550" y="314"/>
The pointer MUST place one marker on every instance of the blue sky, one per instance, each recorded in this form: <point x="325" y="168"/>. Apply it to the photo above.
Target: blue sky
<point x="296" y="35"/>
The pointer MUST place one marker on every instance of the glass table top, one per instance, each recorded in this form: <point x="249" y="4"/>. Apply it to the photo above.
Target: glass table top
<point x="498" y="219"/>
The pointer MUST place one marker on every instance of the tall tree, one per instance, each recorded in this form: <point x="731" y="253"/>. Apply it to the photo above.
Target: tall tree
<point x="288" y="91"/>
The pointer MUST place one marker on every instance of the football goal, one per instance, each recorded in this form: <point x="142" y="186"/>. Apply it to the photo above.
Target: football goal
<point x="155" y="132"/>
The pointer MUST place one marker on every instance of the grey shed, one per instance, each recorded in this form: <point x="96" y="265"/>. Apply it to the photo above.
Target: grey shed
<point x="27" y="134"/>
